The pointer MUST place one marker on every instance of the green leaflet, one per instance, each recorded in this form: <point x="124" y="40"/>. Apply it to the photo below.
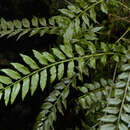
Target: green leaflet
<point x="125" y="118"/>
<point x="23" y="33"/>
<point x="26" y="23"/>
<point x="29" y="61"/>
<point x="104" y="47"/>
<point x="34" y="83"/>
<point x="1" y="95"/>
<point x="65" y="93"/>
<point x="79" y="50"/>
<point x="25" y="87"/>
<point x="58" y="53"/>
<point x="116" y="57"/>
<point x="42" y="21"/>
<point x="67" y="12"/>
<point x="104" y="59"/>
<point x="109" y="118"/>
<point x="85" y="19"/>
<point x="108" y="127"/>
<point x="114" y="101"/>
<point x="59" y="107"/>
<point x="93" y="14"/>
<point x="81" y="65"/>
<point x="91" y="47"/>
<point x="122" y="126"/>
<point x="7" y="95"/>
<point x="92" y="62"/>
<point x="104" y="7"/>
<point x="43" y="79"/>
<point x="77" y="25"/>
<point x="5" y="80"/>
<point x="1" y="86"/>
<point x="35" y="21"/>
<point x="11" y="73"/>
<point x="15" y="91"/>
<point x="69" y="33"/>
<point x="33" y="32"/>
<point x="70" y="69"/>
<point x="21" y="68"/>
<point x="67" y="50"/>
<point x="17" y="24"/>
<point x="53" y="74"/>
<point x="111" y="110"/>
<point x="126" y="108"/>
<point x="40" y="57"/>
<point x="60" y="71"/>
<point x="49" y="57"/>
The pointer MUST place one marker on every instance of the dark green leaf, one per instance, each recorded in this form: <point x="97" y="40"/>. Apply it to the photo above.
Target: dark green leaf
<point x="67" y="50"/>
<point x="15" y="92"/>
<point x="109" y="118"/>
<point x="11" y="73"/>
<point x="67" y="12"/>
<point x="59" y="107"/>
<point x="93" y="14"/>
<point x="79" y="50"/>
<point x="104" y="7"/>
<point x="60" y="71"/>
<point x="58" y="53"/>
<point x="85" y="19"/>
<point x="65" y="93"/>
<point x="7" y="95"/>
<point x="69" y="33"/>
<point x="34" y="83"/>
<point x="42" y="21"/>
<point x="49" y="57"/>
<point x="93" y="62"/>
<point x="29" y="61"/>
<point x="25" y="87"/>
<point x="40" y="57"/>
<point x="5" y="80"/>
<point x="43" y="79"/>
<point x="21" y="68"/>
<point x="70" y="69"/>
<point x="108" y="127"/>
<point x="26" y="23"/>
<point x="53" y="74"/>
<point x="35" y="21"/>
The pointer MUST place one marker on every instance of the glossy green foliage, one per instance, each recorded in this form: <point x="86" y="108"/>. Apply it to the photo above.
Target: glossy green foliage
<point x="89" y="58"/>
<point x="25" y="26"/>
<point x="31" y="73"/>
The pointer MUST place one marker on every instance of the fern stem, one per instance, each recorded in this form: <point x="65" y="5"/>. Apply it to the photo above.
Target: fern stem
<point x="90" y="7"/>
<point x="113" y="80"/>
<point x="56" y="63"/>
<point x="127" y="85"/>
<point x="87" y="8"/>
<point x="123" y="35"/>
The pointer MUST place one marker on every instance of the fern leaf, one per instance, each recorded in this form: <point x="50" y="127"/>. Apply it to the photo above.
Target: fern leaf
<point x="52" y="104"/>
<point x="33" y="73"/>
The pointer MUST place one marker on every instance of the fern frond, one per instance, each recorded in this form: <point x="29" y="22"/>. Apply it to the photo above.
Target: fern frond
<point x="34" y="72"/>
<point x="56" y="101"/>
<point x="118" y="110"/>
<point x="94" y="95"/>
<point x="20" y="28"/>
<point x="68" y="23"/>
